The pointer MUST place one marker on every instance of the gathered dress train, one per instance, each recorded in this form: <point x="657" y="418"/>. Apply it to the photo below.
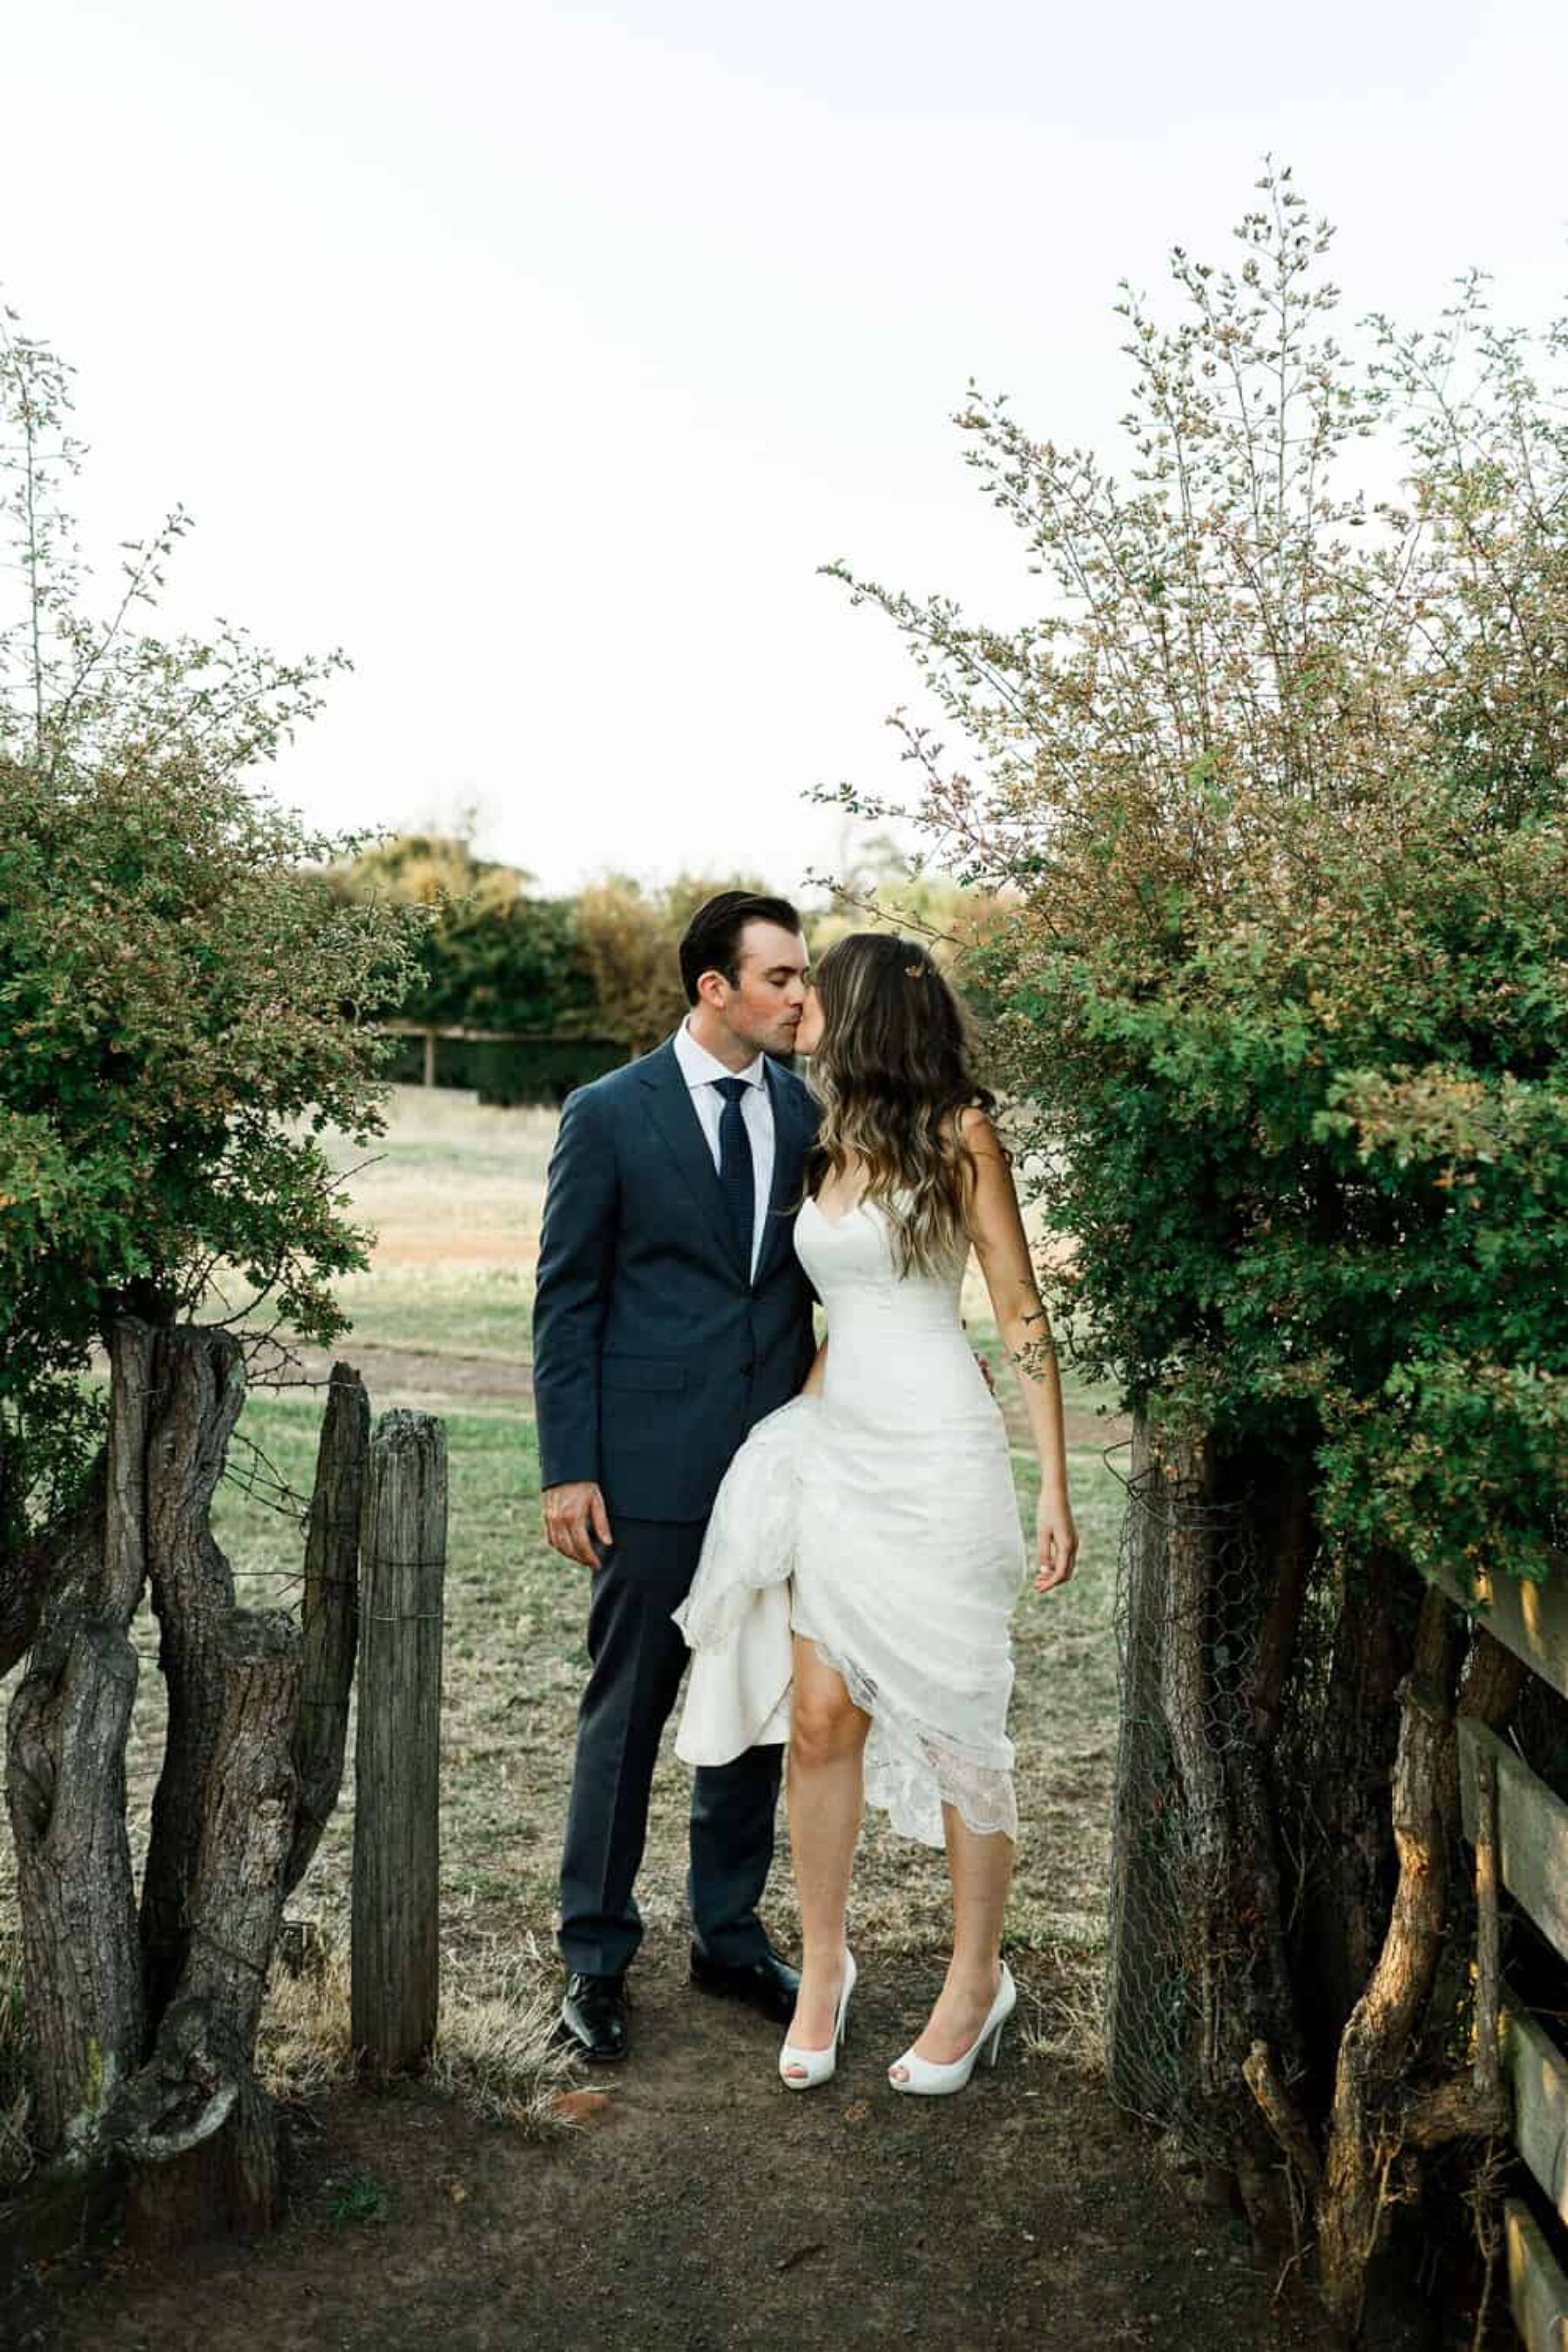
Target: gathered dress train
<point x="877" y="1520"/>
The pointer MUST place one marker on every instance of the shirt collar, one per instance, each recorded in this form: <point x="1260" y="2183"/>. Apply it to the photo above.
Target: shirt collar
<point x="699" y="1067"/>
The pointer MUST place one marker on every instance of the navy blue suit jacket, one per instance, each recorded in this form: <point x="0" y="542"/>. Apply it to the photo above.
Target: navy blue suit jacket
<point x="654" y="1351"/>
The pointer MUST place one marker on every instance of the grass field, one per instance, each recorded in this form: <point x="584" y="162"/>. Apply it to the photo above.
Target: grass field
<point x="442" y="1321"/>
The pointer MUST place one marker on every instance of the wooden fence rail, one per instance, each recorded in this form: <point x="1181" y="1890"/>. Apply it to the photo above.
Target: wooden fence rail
<point x="1531" y="1846"/>
<point x="511" y="1065"/>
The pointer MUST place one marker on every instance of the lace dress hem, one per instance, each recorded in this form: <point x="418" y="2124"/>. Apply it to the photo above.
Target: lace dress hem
<point x="911" y="1770"/>
<point x="772" y="1569"/>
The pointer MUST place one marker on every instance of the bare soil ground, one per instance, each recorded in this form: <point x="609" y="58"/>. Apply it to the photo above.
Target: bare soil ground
<point x="703" y="2207"/>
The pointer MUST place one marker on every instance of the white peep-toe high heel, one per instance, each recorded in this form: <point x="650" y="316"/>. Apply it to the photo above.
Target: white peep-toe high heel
<point x="820" y="2066"/>
<point x="928" y="2081"/>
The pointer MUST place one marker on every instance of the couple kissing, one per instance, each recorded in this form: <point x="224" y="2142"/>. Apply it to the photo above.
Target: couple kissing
<point x="829" y="1533"/>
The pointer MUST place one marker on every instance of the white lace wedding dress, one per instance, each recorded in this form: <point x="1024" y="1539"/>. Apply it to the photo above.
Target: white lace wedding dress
<point x="885" y="1510"/>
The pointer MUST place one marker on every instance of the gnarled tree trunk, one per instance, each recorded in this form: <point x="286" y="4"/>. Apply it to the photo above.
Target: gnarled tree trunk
<point x="1208" y="1985"/>
<point x="1377" y="2038"/>
<point x="1351" y="1882"/>
<point x="230" y="2178"/>
<point x="65" y="1786"/>
<point x="142" y="2032"/>
<point x="202" y="1392"/>
<point x="329" y="1612"/>
<point x="1379" y="2118"/>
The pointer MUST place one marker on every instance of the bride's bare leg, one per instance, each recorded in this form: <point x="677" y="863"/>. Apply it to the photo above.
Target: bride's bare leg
<point x="826" y="1745"/>
<point x="980" y="1869"/>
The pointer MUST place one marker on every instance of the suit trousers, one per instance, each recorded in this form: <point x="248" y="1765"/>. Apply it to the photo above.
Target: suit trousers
<point x="638" y="1657"/>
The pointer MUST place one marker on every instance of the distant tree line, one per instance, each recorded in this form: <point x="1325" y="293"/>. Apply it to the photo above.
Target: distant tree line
<point x="596" y="969"/>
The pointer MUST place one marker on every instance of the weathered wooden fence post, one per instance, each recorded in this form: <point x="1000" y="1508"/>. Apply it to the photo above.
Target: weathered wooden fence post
<point x="395" y="1961"/>
<point x="329" y="1612"/>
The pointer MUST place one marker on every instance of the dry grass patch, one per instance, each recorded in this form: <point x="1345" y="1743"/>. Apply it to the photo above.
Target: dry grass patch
<point x="453" y="1181"/>
<point x="495" y="2049"/>
<point x="304" y="2046"/>
<point x="1063" y="2010"/>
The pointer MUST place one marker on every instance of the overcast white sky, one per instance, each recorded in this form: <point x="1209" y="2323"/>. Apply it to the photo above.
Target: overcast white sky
<point x="539" y="354"/>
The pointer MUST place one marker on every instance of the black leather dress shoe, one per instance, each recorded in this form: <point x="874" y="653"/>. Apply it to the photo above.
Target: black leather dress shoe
<point x="769" y="1984"/>
<point x="594" y="2018"/>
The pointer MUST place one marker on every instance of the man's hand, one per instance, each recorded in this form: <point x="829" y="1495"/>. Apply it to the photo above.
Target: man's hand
<point x="575" y="1516"/>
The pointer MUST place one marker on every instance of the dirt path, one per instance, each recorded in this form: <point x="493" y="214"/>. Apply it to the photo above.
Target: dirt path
<point x="708" y="2210"/>
<point x="392" y="1374"/>
<point x="433" y="1379"/>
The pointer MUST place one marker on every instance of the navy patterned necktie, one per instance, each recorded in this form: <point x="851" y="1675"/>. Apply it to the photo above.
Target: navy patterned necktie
<point x="737" y="1179"/>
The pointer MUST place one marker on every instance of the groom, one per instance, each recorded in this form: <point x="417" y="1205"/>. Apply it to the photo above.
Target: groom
<point x="670" y="1315"/>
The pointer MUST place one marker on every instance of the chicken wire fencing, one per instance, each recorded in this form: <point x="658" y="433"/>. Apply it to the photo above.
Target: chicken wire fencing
<point x="1188" y="1612"/>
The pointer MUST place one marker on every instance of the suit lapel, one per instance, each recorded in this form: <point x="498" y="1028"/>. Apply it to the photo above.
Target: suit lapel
<point x="673" y="1116"/>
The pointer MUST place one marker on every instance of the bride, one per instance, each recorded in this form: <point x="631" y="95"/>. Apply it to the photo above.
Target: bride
<point x="884" y="1494"/>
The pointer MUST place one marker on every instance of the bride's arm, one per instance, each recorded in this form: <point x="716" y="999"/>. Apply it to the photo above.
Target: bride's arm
<point x="1002" y="1246"/>
<point x="812" y="1385"/>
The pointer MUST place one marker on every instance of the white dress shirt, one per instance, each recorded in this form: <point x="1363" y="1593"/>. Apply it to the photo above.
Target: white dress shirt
<point x="702" y="1070"/>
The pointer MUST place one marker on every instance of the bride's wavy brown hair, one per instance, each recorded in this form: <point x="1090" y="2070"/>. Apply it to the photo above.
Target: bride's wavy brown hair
<point x="891" y="1072"/>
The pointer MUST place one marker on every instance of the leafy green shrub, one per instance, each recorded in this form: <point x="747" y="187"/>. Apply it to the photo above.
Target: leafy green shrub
<point x="491" y="955"/>
<point x="1278" y="786"/>
<point x="180" y="1000"/>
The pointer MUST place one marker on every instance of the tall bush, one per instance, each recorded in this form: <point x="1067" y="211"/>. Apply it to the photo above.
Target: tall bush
<point x="179" y="998"/>
<point x="1276" y="783"/>
<point x="181" y="1019"/>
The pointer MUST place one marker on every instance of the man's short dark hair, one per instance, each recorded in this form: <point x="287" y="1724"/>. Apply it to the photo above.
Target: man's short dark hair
<point x="713" y="940"/>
